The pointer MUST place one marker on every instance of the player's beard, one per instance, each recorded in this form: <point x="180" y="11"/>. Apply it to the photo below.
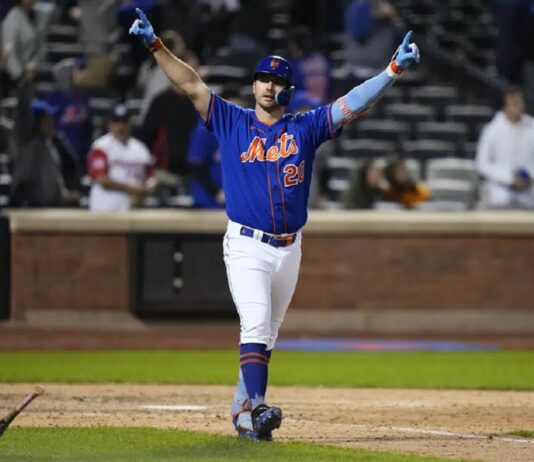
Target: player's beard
<point x="269" y="106"/>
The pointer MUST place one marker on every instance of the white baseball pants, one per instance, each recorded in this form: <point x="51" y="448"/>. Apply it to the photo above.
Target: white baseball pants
<point x="262" y="281"/>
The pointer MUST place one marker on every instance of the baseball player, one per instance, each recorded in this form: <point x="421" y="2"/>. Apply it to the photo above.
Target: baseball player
<point x="120" y="167"/>
<point x="267" y="159"/>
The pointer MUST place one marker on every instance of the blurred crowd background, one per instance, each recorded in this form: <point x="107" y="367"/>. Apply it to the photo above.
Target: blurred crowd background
<point x="88" y="120"/>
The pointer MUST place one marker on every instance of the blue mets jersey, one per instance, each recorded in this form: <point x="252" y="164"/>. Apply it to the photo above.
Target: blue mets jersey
<point x="267" y="169"/>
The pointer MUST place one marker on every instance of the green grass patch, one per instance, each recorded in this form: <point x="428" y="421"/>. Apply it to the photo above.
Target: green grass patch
<point x="521" y="433"/>
<point x="507" y="370"/>
<point x="150" y="445"/>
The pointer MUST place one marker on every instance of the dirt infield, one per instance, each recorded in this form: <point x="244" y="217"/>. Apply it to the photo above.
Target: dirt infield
<point x="458" y="424"/>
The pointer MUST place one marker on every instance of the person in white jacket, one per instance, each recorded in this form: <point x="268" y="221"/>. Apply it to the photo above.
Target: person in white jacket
<point x="505" y="156"/>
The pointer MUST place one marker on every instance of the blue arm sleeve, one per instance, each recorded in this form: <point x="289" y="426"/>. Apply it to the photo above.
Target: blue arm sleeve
<point x="359" y="99"/>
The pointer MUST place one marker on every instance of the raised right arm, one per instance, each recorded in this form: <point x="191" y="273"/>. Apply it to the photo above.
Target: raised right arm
<point x="179" y="73"/>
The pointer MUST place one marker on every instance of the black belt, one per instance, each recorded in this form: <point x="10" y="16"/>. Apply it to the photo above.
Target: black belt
<point x="281" y="241"/>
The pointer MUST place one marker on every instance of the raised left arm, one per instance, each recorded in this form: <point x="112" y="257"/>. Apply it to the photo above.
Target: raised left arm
<point x="362" y="97"/>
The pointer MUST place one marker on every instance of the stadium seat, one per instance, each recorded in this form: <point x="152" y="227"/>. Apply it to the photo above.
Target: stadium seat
<point x="454" y="22"/>
<point x="446" y="131"/>
<point x="445" y="189"/>
<point x="394" y="95"/>
<point x="228" y="57"/>
<point x="452" y="168"/>
<point x="412" y="113"/>
<point x="341" y="81"/>
<point x="5" y="184"/>
<point x="473" y="115"/>
<point x="56" y="51"/>
<point x="385" y="206"/>
<point x="438" y="96"/>
<point x="441" y="206"/>
<point x="341" y="167"/>
<point x="62" y="33"/>
<point x="224" y="74"/>
<point x="414" y="78"/>
<point x="339" y="179"/>
<point x="101" y="106"/>
<point x="428" y="149"/>
<point x="366" y="148"/>
<point x="448" y="41"/>
<point x="389" y="130"/>
<point x="8" y="106"/>
<point x="4" y="163"/>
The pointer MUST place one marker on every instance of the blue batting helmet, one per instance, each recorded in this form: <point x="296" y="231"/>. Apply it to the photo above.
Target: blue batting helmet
<point x="275" y="65"/>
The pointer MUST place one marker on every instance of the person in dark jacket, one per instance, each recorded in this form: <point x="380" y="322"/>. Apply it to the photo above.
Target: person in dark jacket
<point x="46" y="173"/>
<point x="167" y="130"/>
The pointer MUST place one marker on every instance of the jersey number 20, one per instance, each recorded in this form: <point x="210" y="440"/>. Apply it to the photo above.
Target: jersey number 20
<point x="293" y="174"/>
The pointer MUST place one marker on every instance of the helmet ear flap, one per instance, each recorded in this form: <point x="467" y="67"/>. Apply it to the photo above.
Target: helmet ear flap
<point x="283" y="97"/>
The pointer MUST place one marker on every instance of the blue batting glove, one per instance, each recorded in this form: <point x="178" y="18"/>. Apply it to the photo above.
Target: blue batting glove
<point x="407" y="54"/>
<point x="143" y="28"/>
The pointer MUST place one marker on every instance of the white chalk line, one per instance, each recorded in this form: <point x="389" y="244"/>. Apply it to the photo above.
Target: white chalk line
<point x="174" y="407"/>
<point x="467" y="436"/>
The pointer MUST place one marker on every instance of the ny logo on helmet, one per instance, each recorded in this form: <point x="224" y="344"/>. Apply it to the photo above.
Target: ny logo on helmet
<point x="274" y="63"/>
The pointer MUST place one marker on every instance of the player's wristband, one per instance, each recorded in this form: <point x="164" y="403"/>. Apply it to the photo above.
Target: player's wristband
<point x="394" y="70"/>
<point x="155" y="45"/>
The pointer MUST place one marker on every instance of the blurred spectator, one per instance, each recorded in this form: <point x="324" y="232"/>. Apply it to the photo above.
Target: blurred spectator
<point x="371" y="36"/>
<point x="4" y="78"/>
<point x="73" y="117"/>
<point x="515" y="21"/>
<point x="312" y="73"/>
<point x="401" y="188"/>
<point x="249" y="28"/>
<point x="46" y="173"/>
<point x="204" y="160"/>
<point x="167" y="128"/>
<point x="24" y="37"/>
<point x="152" y="78"/>
<point x="322" y="17"/>
<point x="505" y="156"/>
<point x="120" y="167"/>
<point x="67" y="11"/>
<point x="97" y="23"/>
<point x="366" y="187"/>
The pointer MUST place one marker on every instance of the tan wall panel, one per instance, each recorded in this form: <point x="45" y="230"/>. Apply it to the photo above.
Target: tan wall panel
<point x="71" y="271"/>
<point x="418" y="272"/>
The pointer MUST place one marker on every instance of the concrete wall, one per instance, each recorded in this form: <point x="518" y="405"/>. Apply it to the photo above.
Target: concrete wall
<point x="361" y="272"/>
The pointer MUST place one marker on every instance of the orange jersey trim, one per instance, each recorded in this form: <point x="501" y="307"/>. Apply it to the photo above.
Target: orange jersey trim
<point x="270" y="197"/>
<point x="210" y="110"/>
<point x="282" y="194"/>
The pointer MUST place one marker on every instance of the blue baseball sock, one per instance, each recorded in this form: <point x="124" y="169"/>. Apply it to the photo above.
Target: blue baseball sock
<point x="254" y="362"/>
